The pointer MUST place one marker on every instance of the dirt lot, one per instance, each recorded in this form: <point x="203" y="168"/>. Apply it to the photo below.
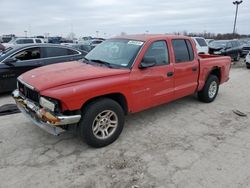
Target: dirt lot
<point x="182" y="144"/>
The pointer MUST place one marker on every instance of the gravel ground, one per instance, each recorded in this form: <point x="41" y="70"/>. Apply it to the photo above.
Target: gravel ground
<point x="182" y="144"/>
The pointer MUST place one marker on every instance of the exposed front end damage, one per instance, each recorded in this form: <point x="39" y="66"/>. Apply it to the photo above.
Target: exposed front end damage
<point x="42" y="117"/>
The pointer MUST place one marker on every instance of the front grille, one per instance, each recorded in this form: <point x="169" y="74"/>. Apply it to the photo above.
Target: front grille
<point x="28" y="93"/>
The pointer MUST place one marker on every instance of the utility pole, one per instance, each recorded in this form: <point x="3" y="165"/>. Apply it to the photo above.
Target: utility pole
<point x="237" y="3"/>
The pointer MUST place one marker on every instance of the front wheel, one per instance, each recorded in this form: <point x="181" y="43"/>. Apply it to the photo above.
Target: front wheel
<point x="102" y="122"/>
<point x="210" y="89"/>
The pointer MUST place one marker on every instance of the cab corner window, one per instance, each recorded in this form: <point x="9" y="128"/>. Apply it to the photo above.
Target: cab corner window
<point x="158" y="51"/>
<point x="183" y="50"/>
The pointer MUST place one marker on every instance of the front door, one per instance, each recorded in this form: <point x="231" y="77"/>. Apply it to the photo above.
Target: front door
<point x="153" y="85"/>
<point x="26" y="60"/>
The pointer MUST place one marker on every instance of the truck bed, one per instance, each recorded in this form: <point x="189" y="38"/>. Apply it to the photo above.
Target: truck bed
<point x="210" y="62"/>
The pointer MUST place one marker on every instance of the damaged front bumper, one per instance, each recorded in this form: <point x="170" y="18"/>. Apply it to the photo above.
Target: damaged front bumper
<point x="43" y="118"/>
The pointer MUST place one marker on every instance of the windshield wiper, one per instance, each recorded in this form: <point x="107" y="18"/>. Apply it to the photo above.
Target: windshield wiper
<point x="102" y="62"/>
<point x="86" y="60"/>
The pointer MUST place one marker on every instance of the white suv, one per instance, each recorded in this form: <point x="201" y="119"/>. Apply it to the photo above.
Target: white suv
<point x="201" y="45"/>
<point x="23" y="41"/>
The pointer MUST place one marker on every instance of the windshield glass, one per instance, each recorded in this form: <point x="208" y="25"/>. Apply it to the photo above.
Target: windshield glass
<point x="2" y="53"/>
<point x="117" y="52"/>
<point x="12" y="40"/>
<point x="220" y="44"/>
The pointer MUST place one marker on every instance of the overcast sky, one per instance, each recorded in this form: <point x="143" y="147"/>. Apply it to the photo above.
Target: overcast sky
<point x="85" y="17"/>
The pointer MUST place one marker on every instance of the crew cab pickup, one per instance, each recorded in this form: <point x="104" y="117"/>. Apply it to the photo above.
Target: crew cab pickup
<point x="120" y="76"/>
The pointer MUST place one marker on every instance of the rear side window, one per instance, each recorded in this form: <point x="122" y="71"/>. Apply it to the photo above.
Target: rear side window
<point x="201" y="42"/>
<point x="190" y="50"/>
<point x="56" y="52"/>
<point x="38" y="41"/>
<point x="183" y="50"/>
<point x="159" y="51"/>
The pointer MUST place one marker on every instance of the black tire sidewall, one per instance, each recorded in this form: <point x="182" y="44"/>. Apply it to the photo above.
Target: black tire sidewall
<point x="88" y="115"/>
<point x="204" y="93"/>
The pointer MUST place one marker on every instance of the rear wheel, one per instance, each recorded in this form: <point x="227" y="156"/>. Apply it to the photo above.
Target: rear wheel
<point x="102" y="122"/>
<point x="248" y="66"/>
<point x="210" y="90"/>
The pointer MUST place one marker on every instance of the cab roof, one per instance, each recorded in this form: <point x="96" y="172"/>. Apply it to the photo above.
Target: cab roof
<point x="146" y="37"/>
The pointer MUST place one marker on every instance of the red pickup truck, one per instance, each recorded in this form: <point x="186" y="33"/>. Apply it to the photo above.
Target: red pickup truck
<point x="122" y="75"/>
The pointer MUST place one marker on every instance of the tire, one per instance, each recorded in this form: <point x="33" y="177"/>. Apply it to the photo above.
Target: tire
<point x="248" y="66"/>
<point x="208" y="94"/>
<point x="97" y="126"/>
<point x="237" y="58"/>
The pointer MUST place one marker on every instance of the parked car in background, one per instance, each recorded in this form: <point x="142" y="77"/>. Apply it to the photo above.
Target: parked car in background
<point x="16" y="60"/>
<point x="23" y="41"/>
<point x="209" y="40"/>
<point x="84" y="48"/>
<point x="95" y="42"/>
<point x="230" y="48"/>
<point x="246" y="48"/>
<point x="7" y="38"/>
<point x="247" y="60"/>
<point x="1" y="47"/>
<point x="123" y="75"/>
<point x="201" y="45"/>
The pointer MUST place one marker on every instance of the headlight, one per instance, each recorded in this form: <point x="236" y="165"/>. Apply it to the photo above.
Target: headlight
<point x="47" y="104"/>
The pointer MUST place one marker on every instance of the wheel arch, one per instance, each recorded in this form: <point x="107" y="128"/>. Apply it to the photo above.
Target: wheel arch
<point x="118" y="97"/>
<point x="216" y="71"/>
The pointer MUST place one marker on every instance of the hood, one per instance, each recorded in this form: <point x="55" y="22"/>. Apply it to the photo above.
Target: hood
<point x="65" y="73"/>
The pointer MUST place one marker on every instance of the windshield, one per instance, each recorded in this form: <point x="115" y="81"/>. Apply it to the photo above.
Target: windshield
<point x="220" y="44"/>
<point x="2" y="53"/>
<point x="117" y="52"/>
<point x="12" y="40"/>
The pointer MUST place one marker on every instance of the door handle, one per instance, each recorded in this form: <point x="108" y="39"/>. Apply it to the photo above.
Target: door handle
<point x="194" y="69"/>
<point x="170" y="74"/>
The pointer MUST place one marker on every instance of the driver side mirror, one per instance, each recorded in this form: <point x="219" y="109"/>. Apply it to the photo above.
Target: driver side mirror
<point x="147" y="62"/>
<point x="10" y="61"/>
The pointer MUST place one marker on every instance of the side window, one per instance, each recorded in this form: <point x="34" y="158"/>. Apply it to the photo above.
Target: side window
<point x="20" y="41"/>
<point x="72" y="52"/>
<point x="28" y="41"/>
<point x="229" y="45"/>
<point x="56" y="52"/>
<point x="182" y="50"/>
<point x="190" y="50"/>
<point x="159" y="51"/>
<point x="38" y="41"/>
<point x="28" y="54"/>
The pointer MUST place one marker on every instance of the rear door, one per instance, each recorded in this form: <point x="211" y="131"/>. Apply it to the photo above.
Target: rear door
<point x="27" y="59"/>
<point x="186" y="68"/>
